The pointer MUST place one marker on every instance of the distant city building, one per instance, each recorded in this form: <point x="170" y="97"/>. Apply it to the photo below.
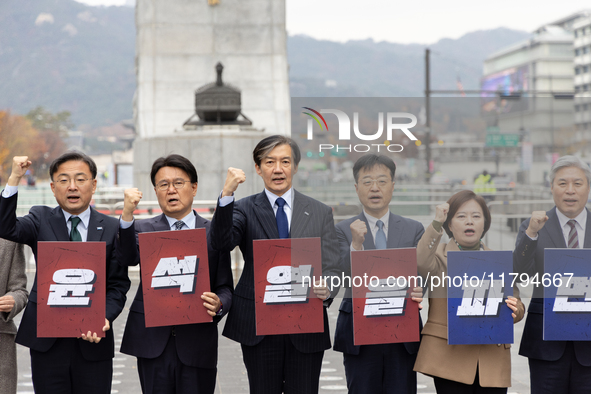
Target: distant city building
<point x="582" y="60"/>
<point x="530" y="87"/>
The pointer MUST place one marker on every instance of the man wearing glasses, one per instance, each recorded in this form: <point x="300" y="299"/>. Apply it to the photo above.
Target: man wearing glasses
<point x="173" y="359"/>
<point x="66" y="365"/>
<point x="388" y="368"/>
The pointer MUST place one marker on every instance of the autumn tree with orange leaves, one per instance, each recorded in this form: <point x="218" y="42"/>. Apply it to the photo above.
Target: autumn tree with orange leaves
<point x="18" y="137"/>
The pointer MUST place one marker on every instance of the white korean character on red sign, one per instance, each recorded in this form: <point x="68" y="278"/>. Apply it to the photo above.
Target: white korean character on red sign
<point x="385" y="299"/>
<point x="71" y="288"/>
<point x="287" y="284"/>
<point x="172" y="272"/>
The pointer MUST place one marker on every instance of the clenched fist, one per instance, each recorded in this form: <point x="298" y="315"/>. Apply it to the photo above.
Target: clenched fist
<point x="234" y="178"/>
<point x="20" y="165"/>
<point x="441" y="212"/>
<point x="537" y="221"/>
<point x="358" y="231"/>
<point x="131" y="199"/>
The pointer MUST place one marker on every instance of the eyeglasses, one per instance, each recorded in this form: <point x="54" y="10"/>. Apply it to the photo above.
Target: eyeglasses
<point x="178" y="184"/>
<point x="380" y="182"/>
<point x="65" y="182"/>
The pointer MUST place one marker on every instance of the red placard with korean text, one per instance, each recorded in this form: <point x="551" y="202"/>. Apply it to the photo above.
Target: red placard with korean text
<point x="382" y="309"/>
<point x="284" y="300"/>
<point x="175" y="273"/>
<point x="71" y="297"/>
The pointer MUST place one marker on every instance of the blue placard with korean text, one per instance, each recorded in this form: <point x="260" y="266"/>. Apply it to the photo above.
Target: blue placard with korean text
<point x="479" y="284"/>
<point x="567" y="294"/>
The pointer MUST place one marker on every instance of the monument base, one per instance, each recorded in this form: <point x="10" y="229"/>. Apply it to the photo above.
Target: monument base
<point x="212" y="149"/>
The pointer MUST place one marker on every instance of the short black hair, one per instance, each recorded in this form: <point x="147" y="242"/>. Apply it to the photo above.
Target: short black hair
<point x="72" y="156"/>
<point x="176" y="161"/>
<point x="369" y="161"/>
<point x="266" y="145"/>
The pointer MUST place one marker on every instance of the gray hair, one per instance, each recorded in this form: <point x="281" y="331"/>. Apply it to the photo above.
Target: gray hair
<point x="569" y="161"/>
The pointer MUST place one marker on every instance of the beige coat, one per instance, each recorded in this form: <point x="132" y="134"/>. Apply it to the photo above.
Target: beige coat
<point x="455" y="362"/>
<point x="13" y="281"/>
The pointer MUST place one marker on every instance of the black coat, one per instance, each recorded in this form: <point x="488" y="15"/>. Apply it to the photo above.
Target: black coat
<point x="252" y="218"/>
<point x="196" y="344"/>
<point x="49" y="224"/>
<point x="528" y="257"/>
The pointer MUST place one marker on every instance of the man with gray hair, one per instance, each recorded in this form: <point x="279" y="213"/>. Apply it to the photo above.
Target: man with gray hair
<point x="555" y="366"/>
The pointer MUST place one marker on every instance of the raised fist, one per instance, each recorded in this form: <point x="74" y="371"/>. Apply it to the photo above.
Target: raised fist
<point x="20" y="165"/>
<point x="234" y="178"/>
<point x="131" y="199"/>
<point x="441" y="212"/>
<point x="537" y="221"/>
<point x="358" y="231"/>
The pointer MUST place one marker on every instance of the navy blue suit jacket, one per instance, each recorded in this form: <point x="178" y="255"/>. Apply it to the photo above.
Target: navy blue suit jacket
<point x="251" y="218"/>
<point x="528" y="257"/>
<point x="196" y="344"/>
<point x="402" y="233"/>
<point x="49" y="224"/>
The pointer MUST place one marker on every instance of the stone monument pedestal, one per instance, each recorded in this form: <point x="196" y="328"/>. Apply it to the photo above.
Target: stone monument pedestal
<point x="212" y="149"/>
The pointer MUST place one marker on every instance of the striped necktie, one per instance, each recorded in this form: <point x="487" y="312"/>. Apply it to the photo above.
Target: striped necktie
<point x="573" y="235"/>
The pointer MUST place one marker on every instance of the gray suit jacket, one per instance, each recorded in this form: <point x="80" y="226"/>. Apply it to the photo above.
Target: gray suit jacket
<point x="13" y="281"/>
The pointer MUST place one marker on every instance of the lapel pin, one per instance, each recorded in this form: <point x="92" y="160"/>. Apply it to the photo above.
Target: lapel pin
<point x="99" y="229"/>
<point x="306" y="213"/>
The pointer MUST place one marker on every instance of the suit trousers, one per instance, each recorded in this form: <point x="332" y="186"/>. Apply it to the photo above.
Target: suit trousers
<point x="166" y="374"/>
<point x="563" y="376"/>
<point x="275" y="366"/>
<point x="381" y="369"/>
<point x="64" y="370"/>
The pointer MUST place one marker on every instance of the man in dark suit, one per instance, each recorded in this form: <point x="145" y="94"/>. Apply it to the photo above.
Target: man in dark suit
<point x="174" y="359"/>
<point x="275" y="363"/>
<point x="66" y="365"/>
<point x="376" y="369"/>
<point x="555" y="366"/>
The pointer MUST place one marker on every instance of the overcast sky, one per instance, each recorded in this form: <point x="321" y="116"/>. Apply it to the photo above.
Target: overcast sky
<point x="422" y="21"/>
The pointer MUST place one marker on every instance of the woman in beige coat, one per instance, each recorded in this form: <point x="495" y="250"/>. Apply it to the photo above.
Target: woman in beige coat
<point x="459" y="368"/>
<point x="13" y="298"/>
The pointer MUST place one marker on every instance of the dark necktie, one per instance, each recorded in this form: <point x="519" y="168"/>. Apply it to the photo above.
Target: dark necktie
<point x="179" y="225"/>
<point x="74" y="233"/>
<point x="281" y="219"/>
<point x="381" y="242"/>
<point x="573" y="235"/>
